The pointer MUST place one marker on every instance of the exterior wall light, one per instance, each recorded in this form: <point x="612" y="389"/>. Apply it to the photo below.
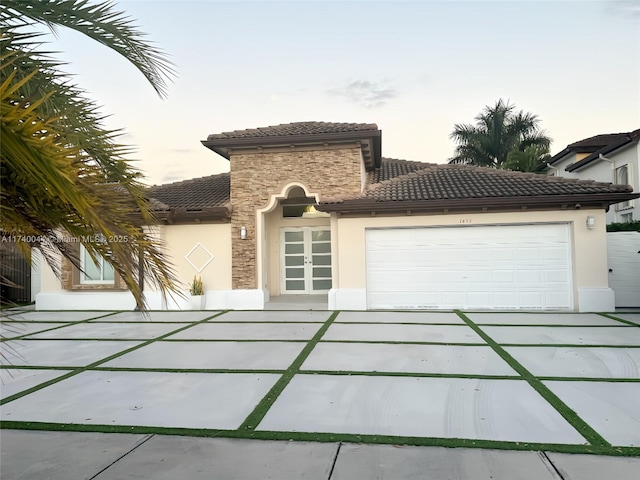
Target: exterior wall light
<point x="591" y="222"/>
<point x="243" y="232"/>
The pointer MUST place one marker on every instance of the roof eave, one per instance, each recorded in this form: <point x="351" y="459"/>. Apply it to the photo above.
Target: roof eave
<point x="365" y="205"/>
<point x="371" y="143"/>
<point x="182" y="215"/>
<point x="559" y="156"/>
<point x="596" y="155"/>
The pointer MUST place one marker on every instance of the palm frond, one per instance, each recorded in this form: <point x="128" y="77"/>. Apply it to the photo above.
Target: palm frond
<point x="102" y="23"/>
<point x="498" y="131"/>
<point x="65" y="176"/>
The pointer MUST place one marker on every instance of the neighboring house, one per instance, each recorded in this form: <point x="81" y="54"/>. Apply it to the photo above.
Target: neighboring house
<point x="313" y="207"/>
<point x="611" y="158"/>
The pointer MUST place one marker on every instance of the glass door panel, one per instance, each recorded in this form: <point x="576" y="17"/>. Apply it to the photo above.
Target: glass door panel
<point x="306" y="260"/>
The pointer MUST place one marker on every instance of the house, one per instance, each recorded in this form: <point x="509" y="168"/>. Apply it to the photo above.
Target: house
<point x="314" y="208"/>
<point x="611" y="157"/>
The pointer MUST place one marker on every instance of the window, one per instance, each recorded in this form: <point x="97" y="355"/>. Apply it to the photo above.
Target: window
<point x="626" y="218"/>
<point x="95" y="273"/>
<point x="622" y="178"/>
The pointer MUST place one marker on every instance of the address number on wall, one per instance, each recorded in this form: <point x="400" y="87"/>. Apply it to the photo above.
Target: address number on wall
<point x="465" y="220"/>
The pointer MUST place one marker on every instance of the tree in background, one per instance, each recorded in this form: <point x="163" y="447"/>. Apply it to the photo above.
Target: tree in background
<point x="534" y="158"/>
<point x="499" y="130"/>
<point x="63" y="174"/>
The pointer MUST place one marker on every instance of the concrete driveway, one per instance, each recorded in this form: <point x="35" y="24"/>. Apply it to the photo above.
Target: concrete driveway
<point x="511" y="381"/>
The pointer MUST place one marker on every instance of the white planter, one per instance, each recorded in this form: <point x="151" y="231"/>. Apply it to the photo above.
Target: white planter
<point x="197" y="302"/>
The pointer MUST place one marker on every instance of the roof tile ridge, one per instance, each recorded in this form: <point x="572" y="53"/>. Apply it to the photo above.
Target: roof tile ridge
<point x="410" y="162"/>
<point x="537" y="176"/>
<point x="190" y="180"/>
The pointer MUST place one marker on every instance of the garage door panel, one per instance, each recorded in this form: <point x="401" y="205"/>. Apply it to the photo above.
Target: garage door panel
<point x="504" y="267"/>
<point x="557" y="276"/>
<point x="502" y="276"/>
<point x="558" y="253"/>
<point x="527" y="277"/>
<point x="525" y="254"/>
<point x="530" y="299"/>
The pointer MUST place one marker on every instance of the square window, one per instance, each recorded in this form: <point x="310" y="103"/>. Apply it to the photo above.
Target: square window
<point x="100" y="272"/>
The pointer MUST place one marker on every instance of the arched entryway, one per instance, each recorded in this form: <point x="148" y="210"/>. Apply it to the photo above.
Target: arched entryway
<point x="295" y="245"/>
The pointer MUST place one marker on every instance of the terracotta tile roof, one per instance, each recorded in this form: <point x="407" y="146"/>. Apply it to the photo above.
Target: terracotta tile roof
<point x="620" y="141"/>
<point x="596" y="142"/>
<point x="595" y="145"/>
<point x="192" y="195"/>
<point x="296" y="128"/>
<point x="463" y="181"/>
<point x="445" y="184"/>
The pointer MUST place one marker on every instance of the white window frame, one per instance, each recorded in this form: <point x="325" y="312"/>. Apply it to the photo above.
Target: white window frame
<point x="84" y="256"/>
<point x="627" y="169"/>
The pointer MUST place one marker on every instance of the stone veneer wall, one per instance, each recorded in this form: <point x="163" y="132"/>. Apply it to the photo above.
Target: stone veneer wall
<point x="256" y="176"/>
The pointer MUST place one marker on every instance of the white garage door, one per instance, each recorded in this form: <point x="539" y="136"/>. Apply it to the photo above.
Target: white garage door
<point x="484" y="267"/>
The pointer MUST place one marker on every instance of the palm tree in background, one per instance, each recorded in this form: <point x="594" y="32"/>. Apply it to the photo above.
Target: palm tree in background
<point x="63" y="174"/>
<point x="533" y="158"/>
<point x="498" y="131"/>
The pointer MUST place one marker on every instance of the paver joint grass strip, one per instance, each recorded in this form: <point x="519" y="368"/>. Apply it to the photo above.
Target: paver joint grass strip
<point x="91" y="366"/>
<point x="258" y="413"/>
<point x="65" y="324"/>
<point x="567" y="413"/>
<point x="328" y="437"/>
<point x="621" y="320"/>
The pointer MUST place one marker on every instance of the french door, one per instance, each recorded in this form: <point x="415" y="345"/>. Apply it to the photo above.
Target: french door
<point x="305" y="263"/>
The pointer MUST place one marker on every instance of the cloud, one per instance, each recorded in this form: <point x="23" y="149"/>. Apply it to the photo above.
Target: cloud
<point x="365" y="93"/>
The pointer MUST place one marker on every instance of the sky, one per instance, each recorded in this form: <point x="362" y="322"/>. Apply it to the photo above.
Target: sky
<point x="414" y="68"/>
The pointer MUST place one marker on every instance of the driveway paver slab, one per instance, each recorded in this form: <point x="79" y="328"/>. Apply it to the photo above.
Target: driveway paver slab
<point x="162" y="399"/>
<point x="143" y="331"/>
<point x="170" y="458"/>
<point x="18" y="380"/>
<point x="165" y="316"/>
<point x="507" y="410"/>
<point x="249" y="331"/>
<point x="18" y="329"/>
<point x="59" y="353"/>
<point x="377" y="357"/>
<point x="274" y="316"/>
<point x="582" y="319"/>
<point x="402" y="333"/>
<point x="31" y="455"/>
<point x="612" y="409"/>
<point x="588" y="362"/>
<point x="595" y="467"/>
<point x="212" y="355"/>
<point x="565" y="335"/>
<point x="399" y="317"/>
<point x="62" y="316"/>
<point x="390" y="462"/>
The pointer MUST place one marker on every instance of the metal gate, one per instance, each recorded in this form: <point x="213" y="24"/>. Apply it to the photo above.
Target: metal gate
<point x="15" y="275"/>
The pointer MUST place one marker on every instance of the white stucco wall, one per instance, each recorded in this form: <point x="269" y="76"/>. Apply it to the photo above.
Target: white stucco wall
<point x="603" y="171"/>
<point x="179" y="240"/>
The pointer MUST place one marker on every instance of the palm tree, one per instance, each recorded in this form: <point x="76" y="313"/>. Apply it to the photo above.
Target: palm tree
<point x="63" y="174"/>
<point x="533" y="159"/>
<point x="498" y="131"/>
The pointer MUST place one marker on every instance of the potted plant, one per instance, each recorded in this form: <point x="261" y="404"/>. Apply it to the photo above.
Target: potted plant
<point x="196" y="289"/>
